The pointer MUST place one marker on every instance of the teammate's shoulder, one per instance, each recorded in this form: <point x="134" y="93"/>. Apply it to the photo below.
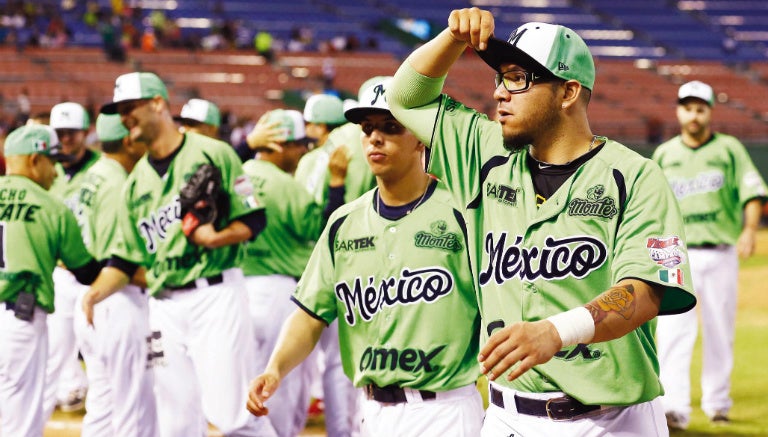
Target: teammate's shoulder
<point x="359" y="204"/>
<point x="728" y="140"/>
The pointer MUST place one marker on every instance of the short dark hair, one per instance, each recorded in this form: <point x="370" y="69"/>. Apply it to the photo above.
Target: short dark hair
<point x="112" y="146"/>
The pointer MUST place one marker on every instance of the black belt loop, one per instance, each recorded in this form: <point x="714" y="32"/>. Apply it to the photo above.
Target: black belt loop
<point x="393" y="394"/>
<point x="191" y="285"/>
<point x="562" y="408"/>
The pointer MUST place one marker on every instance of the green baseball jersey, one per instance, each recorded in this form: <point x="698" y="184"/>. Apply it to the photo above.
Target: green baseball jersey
<point x="36" y="230"/>
<point x="402" y="291"/>
<point x="149" y="223"/>
<point x="98" y="205"/>
<point x="66" y="187"/>
<point x="614" y="218"/>
<point x="712" y="182"/>
<point x="294" y="222"/>
<point x="312" y="172"/>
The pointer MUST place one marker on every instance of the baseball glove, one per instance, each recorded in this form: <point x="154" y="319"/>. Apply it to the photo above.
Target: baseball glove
<point x="201" y="198"/>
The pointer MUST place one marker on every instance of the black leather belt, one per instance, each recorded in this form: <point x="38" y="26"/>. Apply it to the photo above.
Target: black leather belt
<point x="562" y="408"/>
<point x="706" y="246"/>
<point x="207" y="282"/>
<point x="393" y="394"/>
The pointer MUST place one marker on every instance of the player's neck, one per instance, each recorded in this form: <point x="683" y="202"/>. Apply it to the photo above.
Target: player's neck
<point x="696" y="140"/>
<point x="561" y="151"/>
<point x="165" y="144"/>
<point x="403" y="191"/>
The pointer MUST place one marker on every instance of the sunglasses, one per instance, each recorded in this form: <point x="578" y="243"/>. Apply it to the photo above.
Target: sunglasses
<point x="387" y="127"/>
<point x="518" y="81"/>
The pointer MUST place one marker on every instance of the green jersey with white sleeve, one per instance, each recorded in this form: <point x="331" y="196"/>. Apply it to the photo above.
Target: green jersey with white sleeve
<point x="312" y="171"/>
<point x="713" y="182"/>
<point x="150" y="219"/>
<point x="36" y="230"/>
<point x="614" y="218"/>
<point x="402" y="291"/>
<point x="294" y="222"/>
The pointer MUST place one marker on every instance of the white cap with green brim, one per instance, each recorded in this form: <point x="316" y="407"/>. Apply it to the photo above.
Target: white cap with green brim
<point x="324" y="108"/>
<point x="372" y="99"/>
<point x="698" y="90"/>
<point x="69" y="115"/>
<point x="548" y="47"/>
<point x="135" y="86"/>
<point x="109" y="127"/>
<point x="34" y="139"/>
<point x="201" y="111"/>
<point x="290" y="122"/>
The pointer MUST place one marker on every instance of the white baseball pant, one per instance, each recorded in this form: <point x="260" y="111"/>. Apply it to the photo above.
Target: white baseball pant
<point x="457" y="412"/>
<point x="270" y="305"/>
<point x="206" y="341"/>
<point x="715" y="280"/>
<point x="64" y="372"/>
<point x="24" y="347"/>
<point x="120" y="401"/>
<point x="339" y="395"/>
<point x="645" y="419"/>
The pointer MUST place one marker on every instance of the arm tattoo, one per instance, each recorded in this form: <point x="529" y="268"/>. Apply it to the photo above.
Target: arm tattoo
<point x="619" y="299"/>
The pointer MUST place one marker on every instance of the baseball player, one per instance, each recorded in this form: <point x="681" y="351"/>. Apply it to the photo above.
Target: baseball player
<point x="202" y="338"/>
<point x="200" y="116"/>
<point x="577" y="242"/>
<point x="273" y="262"/>
<point x="36" y="230"/>
<point x="716" y="184"/>
<point x="339" y="396"/>
<point x="66" y="383"/>
<point x="120" y="398"/>
<point x="392" y="267"/>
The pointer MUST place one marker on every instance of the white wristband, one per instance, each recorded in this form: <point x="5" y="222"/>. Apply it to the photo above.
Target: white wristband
<point x="574" y="326"/>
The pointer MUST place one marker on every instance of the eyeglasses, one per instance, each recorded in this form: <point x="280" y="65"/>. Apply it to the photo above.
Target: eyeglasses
<point x="387" y="127"/>
<point x="518" y="81"/>
<point x="125" y="108"/>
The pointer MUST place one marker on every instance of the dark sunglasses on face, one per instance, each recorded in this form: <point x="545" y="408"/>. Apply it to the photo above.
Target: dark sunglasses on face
<point x="387" y="127"/>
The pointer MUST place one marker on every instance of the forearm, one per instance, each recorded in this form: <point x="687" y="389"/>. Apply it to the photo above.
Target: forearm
<point x="623" y="308"/>
<point x="297" y="339"/>
<point x="752" y="214"/>
<point x="109" y="281"/>
<point x="436" y="57"/>
<point x="234" y="233"/>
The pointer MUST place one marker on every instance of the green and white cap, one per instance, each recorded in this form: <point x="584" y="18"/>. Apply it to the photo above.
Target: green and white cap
<point x="698" y="90"/>
<point x="541" y="46"/>
<point x="34" y="138"/>
<point x="69" y="115"/>
<point x="324" y="108"/>
<point x="201" y="111"/>
<point x="372" y="99"/>
<point x="135" y="86"/>
<point x="290" y="122"/>
<point x="109" y="127"/>
<point x="367" y="84"/>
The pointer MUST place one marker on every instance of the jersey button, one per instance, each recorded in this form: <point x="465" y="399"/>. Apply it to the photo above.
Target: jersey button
<point x="393" y="230"/>
<point x="391" y="256"/>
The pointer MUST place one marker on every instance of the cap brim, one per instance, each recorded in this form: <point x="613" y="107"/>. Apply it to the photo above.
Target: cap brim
<point x="109" y="108"/>
<point x="57" y="155"/>
<point x="500" y="52"/>
<point x="356" y="115"/>
<point x="682" y="100"/>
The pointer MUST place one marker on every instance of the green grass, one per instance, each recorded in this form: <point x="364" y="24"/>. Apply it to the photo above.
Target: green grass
<point x="749" y="416"/>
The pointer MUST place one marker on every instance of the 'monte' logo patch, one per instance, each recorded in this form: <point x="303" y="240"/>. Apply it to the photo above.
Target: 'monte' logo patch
<point x="438" y="238"/>
<point x="594" y="205"/>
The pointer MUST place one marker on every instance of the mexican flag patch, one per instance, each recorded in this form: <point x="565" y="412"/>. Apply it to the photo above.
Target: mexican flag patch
<point x="671" y="276"/>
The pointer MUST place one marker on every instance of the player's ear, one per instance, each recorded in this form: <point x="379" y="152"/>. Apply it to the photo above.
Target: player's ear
<point x="570" y="94"/>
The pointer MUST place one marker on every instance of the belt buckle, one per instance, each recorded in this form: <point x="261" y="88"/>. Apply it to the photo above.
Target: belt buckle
<point x="552" y="415"/>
